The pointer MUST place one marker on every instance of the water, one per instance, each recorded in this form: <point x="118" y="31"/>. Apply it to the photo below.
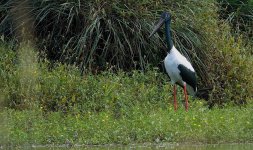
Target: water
<point x="246" y="146"/>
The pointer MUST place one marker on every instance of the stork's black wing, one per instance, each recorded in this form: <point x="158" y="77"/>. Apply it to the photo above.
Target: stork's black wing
<point x="188" y="76"/>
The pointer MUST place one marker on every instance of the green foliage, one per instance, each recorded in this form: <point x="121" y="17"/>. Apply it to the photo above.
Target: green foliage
<point x="59" y="105"/>
<point x="225" y="56"/>
<point x="239" y="14"/>
<point x="27" y="84"/>
<point x="19" y="74"/>
<point x="63" y="89"/>
<point x="7" y="69"/>
<point x="230" y="66"/>
<point x="138" y="125"/>
<point x="121" y="107"/>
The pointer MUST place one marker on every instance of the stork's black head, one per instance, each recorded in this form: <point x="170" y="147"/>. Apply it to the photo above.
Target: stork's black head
<point x="165" y="17"/>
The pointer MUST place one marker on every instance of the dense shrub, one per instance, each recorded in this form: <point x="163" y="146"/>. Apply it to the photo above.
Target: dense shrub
<point x="239" y="14"/>
<point x="229" y="62"/>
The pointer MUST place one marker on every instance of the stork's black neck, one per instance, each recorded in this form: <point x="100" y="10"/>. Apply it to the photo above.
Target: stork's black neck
<point x="168" y="35"/>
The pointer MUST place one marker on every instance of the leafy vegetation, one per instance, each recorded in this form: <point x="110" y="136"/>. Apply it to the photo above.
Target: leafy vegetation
<point x="60" y="106"/>
<point x="62" y="87"/>
<point x="122" y="95"/>
<point x="98" y="36"/>
<point x="136" y="125"/>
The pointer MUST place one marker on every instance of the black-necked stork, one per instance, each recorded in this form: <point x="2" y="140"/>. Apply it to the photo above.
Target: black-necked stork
<point x="177" y="66"/>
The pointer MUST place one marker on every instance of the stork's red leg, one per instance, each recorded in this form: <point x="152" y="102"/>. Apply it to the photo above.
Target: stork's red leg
<point x="175" y="99"/>
<point x="186" y="98"/>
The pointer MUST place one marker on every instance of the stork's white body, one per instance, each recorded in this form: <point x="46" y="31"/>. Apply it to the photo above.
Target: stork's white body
<point x="171" y="62"/>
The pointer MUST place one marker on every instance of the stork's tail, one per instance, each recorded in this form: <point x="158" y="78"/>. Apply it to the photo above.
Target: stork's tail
<point x="203" y="93"/>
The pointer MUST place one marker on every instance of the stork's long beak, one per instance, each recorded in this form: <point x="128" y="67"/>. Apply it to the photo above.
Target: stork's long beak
<point x="157" y="26"/>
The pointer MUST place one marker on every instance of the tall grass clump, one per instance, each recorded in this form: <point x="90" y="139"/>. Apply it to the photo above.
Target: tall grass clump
<point x="98" y="35"/>
<point x="90" y="33"/>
